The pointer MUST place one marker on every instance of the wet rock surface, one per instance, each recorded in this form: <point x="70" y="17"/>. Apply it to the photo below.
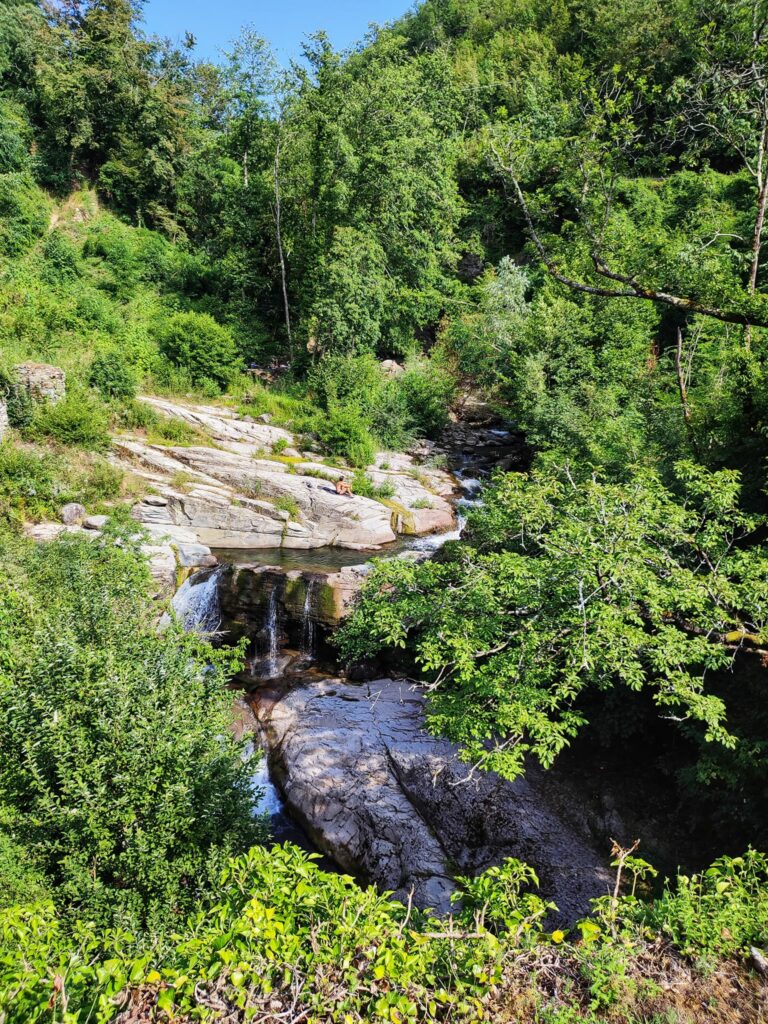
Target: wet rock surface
<point x="394" y="805"/>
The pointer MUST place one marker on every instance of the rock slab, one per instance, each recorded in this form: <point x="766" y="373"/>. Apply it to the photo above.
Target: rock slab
<point x="396" y="807"/>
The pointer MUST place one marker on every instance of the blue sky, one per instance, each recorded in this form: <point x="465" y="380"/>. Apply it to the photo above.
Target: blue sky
<point x="215" y="23"/>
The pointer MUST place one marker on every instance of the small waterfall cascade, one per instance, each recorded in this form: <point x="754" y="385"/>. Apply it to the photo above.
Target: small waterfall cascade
<point x="472" y="488"/>
<point x="272" y="633"/>
<point x="196" y="602"/>
<point x="269" y="801"/>
<point x="308" y="626"/>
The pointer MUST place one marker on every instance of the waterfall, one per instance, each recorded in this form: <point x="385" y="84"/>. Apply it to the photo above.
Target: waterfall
<point x="196" y="602"/>
<point x="308" y="627"/>
<point x="269" y="801"/>
<point x="434" y="541"/>
<point x="271" y="629"/>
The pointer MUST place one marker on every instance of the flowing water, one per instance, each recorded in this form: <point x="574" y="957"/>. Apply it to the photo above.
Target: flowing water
<point x="196" y="602"/>
<point x="272" y="634"/>
<point x="268" y="801"/>
<point x="308" y="626"/>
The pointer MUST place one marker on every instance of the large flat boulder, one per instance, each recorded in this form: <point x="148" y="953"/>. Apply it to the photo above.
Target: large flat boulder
<point x="234" y="501"/>
<point x="396" y="806"/>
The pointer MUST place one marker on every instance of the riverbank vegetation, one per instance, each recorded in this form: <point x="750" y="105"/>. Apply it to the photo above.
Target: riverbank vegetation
<point x="554" y="208"/>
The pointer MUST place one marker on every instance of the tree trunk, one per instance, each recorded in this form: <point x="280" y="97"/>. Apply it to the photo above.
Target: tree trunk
<point x="757" y="241"/>
<point x="683" y="389"/>
<point x="279" y="234"/>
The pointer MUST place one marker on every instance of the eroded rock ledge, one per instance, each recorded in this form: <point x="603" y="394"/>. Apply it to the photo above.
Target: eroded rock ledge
<point x="394" y="805"/>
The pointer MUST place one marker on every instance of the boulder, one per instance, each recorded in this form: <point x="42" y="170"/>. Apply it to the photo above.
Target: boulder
<point x="193" y="555"/>
<point x="396" y="807"/>
<point x="95" y="522"/>
<point x="5" y="425"/>
<point x="71" y="513"/>
<point x="43" y="382"/>
<point x="44" y="532"/>
<point x="391" y="369"/>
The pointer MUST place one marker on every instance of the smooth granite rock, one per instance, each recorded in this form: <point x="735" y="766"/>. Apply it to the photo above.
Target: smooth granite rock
<point x="233" y="494"/>
<point x="395" y="805"/>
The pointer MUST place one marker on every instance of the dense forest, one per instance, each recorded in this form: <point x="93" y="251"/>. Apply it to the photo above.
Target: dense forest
<point x="556" y="208"/>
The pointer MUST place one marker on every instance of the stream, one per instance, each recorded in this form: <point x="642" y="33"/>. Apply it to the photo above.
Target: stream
<point x="197" y="604"/>
<point x="348" y="769"/>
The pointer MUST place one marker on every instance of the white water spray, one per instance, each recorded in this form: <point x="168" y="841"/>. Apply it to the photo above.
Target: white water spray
<point x="196" y="602"/>
<point x="308" y="627"/>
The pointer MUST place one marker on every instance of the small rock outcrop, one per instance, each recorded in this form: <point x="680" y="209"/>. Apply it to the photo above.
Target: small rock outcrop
<point x="44" y="383"/>
<point x="396" y="807"/>
<point x="4" y="421"/>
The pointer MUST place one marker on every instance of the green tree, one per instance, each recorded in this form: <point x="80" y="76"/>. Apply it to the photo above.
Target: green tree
<point x="118" y="773"/>
<point x="568" y="585"/>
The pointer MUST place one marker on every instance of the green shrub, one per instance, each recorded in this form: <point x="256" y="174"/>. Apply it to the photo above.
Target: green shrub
<point x="62" y="261"/>
<point x="175" y="431"/>
<point x="94" y="309"/>
<point x="132" y="415"/>
<point x="351" y="381"/>
<point x="497" y="898"/>
<point x="287" y="504"/>
<point x="20" y="880"/>
<point x="206" y="349"/>
<point x="427" y="392"/>
<point x="344" y="433"/>
<point x="721" y="911"/>
<point x="24" y="212"/>
<point x="27" y="484"/>
<point x="118" y="773"/>
<point x="76" y="420"/>
<point x="19" y="405"/>
<point x="101" y="482"/>
<point x="15" y="138"/>
<point x="111" y="375"/>
<point x="363" y="485"/>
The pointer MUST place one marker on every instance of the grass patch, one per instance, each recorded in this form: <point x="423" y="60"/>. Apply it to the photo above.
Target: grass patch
<point x="35" y="484"/>
<point x="363" y="485"/>
<point x="287" y="504"/>
<point x="173" y="431"/>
